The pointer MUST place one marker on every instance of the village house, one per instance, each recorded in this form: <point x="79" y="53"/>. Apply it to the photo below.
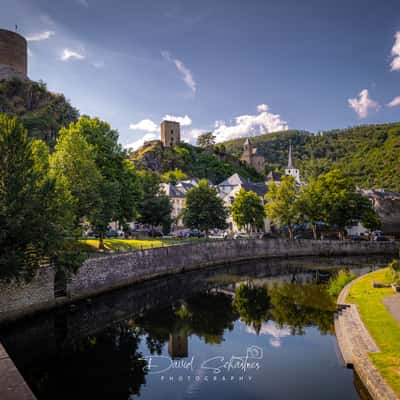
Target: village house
<point x="230" y="187"/>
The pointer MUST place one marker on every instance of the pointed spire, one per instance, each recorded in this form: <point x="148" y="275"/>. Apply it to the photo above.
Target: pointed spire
<point x="290" y="161"/>
<point x="247" y="142"/>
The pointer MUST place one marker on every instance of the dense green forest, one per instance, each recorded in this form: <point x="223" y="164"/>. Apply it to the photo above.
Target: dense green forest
<point x="41" y="112"/>
<point x="214" y="164"/>
<point x="370" y="154"/>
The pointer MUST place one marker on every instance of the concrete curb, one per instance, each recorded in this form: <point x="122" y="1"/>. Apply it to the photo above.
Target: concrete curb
<point x="12" y="384"/>
<point x="355" y="343"/>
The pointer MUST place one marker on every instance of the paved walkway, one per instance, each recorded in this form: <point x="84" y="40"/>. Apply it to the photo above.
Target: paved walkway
<point x="12" y="384"/>
<point x="392" y="303"/>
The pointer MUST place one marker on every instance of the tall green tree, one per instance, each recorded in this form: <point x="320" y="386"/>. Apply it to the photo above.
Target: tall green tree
<point x="310" y="205"/>
<point x="247" y="210"/>
<point x="206" y="140"/>
<point x="154" y="208"/>
<point x="340" y="204"/>
<point x="204" y="208"/>
<point x="282" y="203"/>
<point x="74" y="167"/>
<point x="118" y="186"/>
<point x="35" y="213"/>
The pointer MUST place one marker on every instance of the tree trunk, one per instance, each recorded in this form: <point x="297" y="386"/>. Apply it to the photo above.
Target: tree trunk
<point x="101" y="241"/>
<point x="314" y="231"/>
<point x="290" y="230"/>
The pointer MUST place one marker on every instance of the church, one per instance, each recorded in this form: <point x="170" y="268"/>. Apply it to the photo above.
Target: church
<point x="291" y="170"/>
<point x="252" y="158"/>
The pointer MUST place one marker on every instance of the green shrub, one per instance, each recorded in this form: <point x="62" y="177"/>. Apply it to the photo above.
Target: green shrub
<point x="336" y="284"/>
<point x="392" y="275"/>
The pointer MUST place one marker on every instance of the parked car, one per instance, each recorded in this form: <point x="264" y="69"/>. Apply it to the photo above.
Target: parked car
<point x="196" y="233"/>
<point x="380" y="239"/>
<point x="155" y="233"/>
<point x="241" y="235"/>
<point x="112" y="233"/>
<point x="183" y="233"/>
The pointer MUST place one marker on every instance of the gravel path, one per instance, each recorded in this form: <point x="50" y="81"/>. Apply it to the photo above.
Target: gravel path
<point x="392" y="303"/>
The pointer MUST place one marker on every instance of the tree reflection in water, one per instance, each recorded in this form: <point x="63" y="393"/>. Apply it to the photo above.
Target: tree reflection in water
<point x="301" y="306"/>
<point x="83" y="370"/>
<point x="253" y="304"/>
<point x="206" y="315"/>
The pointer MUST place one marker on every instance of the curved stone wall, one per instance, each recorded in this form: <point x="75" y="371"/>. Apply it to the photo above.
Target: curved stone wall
<point x="355" y="344"/>
<point x="105" y="273"/>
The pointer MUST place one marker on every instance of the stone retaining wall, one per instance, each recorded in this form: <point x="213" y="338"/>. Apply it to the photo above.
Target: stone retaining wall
<point x="20" y="298"/>
<point x="108" y="272"/>
<point x="104" y="273"/>
<point x="355" y="343"/>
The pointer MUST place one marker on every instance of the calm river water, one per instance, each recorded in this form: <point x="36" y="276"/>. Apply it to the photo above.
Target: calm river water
<point x="260" y="330"/>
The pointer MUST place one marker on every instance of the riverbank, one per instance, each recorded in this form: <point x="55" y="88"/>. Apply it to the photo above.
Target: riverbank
<point x="12" y="384"/>
<point x="108" y="272"/>
<point x="369" y="336"/>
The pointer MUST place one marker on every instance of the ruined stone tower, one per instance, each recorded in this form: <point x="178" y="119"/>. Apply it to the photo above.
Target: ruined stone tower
<point x="13" y="55"/>
<point x="170" y="133"/>
<point x="251" y="157"/>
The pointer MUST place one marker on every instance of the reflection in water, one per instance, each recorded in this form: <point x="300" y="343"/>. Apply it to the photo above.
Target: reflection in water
<point x="301" y="306"/>
<point x="98" y="348"/>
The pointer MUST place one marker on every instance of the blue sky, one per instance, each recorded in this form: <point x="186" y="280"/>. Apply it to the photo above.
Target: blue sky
<point x="233" y="67"/>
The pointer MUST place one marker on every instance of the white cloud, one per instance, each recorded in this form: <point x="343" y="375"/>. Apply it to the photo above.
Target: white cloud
<point x="140" y="142"/>
<point x="271" y="329"/>
<point x="262" y="107"/>
<point x="187" y="75"/>
<point x="395" y="102"/>
<point x="68" y="54"/>
<point x="35" y="37"/>
<point x="184" y="121"/>
<point x="191" y="135"/>
<point x="250" y="125"/>
<point x="363" y="104"/>
<point x="395" y="64"/>
<point x="145" y="125"/>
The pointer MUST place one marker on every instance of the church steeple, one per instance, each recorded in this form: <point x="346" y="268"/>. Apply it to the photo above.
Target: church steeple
<point x="290" y="160"/>
<point x="291" y="170"/>
<point x="247" y="145"/>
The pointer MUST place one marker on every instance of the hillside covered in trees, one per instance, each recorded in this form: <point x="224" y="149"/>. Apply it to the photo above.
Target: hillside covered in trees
<point x="370" y="154"/>
<point x="41" y="112"/>
<point x="213" y="163"/>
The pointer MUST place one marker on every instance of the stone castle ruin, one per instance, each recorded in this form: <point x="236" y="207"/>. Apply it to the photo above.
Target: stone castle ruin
<point x="13" y="55"/>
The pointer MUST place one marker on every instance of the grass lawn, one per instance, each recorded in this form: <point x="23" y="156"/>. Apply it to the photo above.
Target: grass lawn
<point x="123" y="245"/>
<point x="381" y="325"/>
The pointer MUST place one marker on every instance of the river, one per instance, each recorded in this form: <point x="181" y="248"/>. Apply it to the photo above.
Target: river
<point x="259" y="330"/>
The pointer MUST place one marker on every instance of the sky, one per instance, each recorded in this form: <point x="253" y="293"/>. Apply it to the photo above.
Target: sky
<point x="236" y="68"/>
